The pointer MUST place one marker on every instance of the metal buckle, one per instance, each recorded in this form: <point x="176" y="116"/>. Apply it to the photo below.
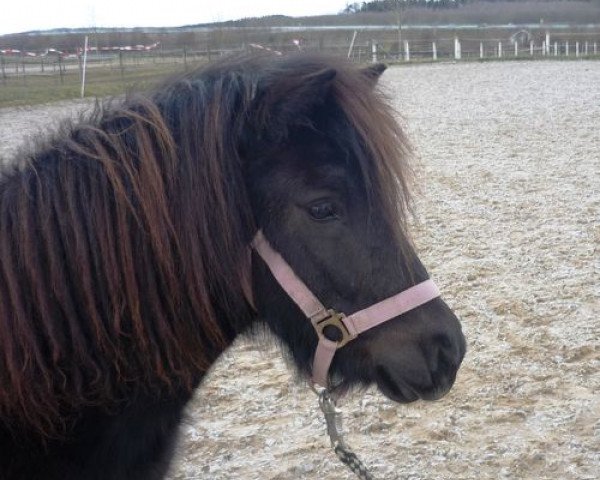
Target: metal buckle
<point x="333" y="318"/>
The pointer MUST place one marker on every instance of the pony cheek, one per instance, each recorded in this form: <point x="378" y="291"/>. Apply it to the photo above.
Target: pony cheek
<point x="281" y="317"/>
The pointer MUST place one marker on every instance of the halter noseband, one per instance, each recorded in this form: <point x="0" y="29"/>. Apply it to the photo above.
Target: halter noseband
<point x="349" y="326"/>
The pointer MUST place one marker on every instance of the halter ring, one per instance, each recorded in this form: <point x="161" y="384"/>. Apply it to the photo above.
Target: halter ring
<point x="333" y="318"/>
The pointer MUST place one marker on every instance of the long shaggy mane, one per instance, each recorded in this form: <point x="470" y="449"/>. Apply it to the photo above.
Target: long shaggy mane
<point x="124" y="239"/>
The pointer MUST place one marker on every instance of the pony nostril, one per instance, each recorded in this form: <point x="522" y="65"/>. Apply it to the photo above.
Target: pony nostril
<point x="443" y="365"/>
<point x="443" y="341"/>
<point x="448" y="351"/>
<point x="441" y="354"/>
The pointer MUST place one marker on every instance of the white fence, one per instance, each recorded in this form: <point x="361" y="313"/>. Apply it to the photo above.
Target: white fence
<point x="456" y="49"/>
<point x="124" y="63"/>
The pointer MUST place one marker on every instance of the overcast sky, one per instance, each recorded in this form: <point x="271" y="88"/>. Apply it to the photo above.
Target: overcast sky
<point x="23" y="15"/>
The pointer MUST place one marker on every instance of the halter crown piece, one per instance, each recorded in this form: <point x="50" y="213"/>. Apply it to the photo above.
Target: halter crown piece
<point x="350" y="326"/>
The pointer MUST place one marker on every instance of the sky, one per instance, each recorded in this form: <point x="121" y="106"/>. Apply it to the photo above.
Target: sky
<point x="23" y="15"/>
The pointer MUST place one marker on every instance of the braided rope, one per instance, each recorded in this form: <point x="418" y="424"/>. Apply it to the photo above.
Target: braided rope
<point x="333" y="420"/>
<point x="349" y="458"/>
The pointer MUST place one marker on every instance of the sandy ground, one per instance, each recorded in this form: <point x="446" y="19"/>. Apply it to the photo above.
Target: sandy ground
<point x="509" y="226"/>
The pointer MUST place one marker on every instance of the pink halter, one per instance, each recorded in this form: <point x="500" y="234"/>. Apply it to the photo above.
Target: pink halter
<point x="350" y="326"/>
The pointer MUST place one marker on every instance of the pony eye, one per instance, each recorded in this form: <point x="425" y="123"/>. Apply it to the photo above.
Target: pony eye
<point x="322" y="211"/>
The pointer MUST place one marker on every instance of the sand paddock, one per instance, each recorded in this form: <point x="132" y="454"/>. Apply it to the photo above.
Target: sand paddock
<point x="509" y="226"/>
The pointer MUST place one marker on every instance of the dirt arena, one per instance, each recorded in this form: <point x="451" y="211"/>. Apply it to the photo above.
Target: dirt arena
<point x="509" y="226"/>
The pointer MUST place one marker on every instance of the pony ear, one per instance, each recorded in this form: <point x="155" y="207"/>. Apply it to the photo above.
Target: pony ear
<point x="373" y="72"/>
<point x="289" y="99"/>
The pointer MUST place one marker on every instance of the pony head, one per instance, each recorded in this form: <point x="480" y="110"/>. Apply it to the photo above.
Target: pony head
<point x="328" y="179"/>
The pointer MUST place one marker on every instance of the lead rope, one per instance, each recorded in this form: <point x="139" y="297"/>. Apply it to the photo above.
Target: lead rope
<point x="333" y="419"/>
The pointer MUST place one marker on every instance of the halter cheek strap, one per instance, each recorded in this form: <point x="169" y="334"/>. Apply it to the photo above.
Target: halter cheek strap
<point x="350" y="326"/>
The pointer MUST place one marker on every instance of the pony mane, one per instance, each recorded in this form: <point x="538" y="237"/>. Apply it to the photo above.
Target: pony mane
<point x="124" y="238"/>
<point x="384" y="150"/>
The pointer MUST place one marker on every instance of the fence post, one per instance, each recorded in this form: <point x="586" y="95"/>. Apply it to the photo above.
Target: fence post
<point x="434" y="47"/>
<point x="577" y="49"/>
<point x="544" y="48"/>
<point x="567" y="48"/>
<point x="547" y="43"/>
<point x="457" y="52"/>
<point x="595" y="48"/>
<point x="586" y="51"/>
<point x="352" y="43"/>
<point x="121" y="67"/>
<point x="373" y="51"/>
<point x="556" y="49"/>
<point x="499" y="49"/>
<point x="2" y="66"/>
<point x="406" y="51"/>
<point x="481" y="50"/>
<point x="516" y="49"/>
<point x="60" y="69"/>
<point x="85" y="50"/>
<point x="531" y="48"/>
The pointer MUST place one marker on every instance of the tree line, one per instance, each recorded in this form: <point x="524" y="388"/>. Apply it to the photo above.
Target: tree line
<point x="391" y="5"/>
<point x="394" y="5"/>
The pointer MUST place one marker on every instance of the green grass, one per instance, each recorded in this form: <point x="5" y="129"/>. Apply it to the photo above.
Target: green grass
<point x="36" y="89"/>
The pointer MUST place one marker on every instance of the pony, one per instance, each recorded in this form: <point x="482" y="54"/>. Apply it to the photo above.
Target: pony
<point x="126" y="265"/>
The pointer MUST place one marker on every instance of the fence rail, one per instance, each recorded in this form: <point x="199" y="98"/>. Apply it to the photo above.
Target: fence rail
<point x="27" y="79"/>
<point x="121" y="63"/>
<point x="455" y="49"/>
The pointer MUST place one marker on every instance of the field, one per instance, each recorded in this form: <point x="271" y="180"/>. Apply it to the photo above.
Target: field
<point x="109" y="78"/>
<point x="508" y="160"/>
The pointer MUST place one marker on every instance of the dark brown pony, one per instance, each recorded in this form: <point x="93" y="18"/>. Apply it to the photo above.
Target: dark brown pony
<point x="125" y="269"/>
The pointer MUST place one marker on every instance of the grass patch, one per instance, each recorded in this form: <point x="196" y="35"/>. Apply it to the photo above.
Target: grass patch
<point x="100" y="82"/>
